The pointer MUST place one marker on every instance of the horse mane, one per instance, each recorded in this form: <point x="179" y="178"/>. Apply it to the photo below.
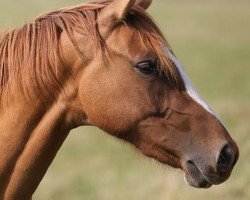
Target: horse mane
<point x="31" y="56"/>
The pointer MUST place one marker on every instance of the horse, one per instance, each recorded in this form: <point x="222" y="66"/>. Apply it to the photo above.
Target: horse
<point x="103" y="64"/>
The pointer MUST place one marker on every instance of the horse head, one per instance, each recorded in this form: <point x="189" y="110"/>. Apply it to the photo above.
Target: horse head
<point x="133" y="87"/>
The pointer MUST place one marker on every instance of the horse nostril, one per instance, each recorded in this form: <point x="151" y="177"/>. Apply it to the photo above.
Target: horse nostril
<point x="226" y="159"/>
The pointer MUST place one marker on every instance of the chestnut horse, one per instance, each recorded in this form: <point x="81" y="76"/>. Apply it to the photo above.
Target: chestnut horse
<point x="104" y="64"/>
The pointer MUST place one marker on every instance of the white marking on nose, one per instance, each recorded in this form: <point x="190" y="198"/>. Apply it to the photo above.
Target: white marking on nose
<point x="188" y="83"/>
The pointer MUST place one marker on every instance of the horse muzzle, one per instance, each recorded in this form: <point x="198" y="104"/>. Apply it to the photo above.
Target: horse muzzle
<point x="200" y="175"/>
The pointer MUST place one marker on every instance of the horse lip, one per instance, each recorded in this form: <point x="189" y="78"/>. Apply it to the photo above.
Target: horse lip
<point x="195" y="177"/>
<point x="192" y="182"/>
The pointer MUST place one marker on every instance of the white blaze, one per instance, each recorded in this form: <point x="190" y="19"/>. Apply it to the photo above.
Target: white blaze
<point x="188" y="83"/>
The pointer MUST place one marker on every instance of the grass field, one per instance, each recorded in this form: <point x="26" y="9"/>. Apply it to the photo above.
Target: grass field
<point x="212" y="39"/>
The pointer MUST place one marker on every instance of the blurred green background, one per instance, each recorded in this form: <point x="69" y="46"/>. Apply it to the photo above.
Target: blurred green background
<point x="212" y="39"/>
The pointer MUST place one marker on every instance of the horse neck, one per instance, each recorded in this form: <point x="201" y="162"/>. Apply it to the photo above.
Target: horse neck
<point x="30" y="137"/>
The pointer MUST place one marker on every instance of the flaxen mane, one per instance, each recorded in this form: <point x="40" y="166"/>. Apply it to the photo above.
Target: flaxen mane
<point x="30" y="57"/>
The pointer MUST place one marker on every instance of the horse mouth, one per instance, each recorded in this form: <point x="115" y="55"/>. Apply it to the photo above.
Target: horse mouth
<point x="194" y="177"/>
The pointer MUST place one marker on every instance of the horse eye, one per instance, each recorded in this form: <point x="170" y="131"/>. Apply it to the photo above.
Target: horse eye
<point x="147" y="68"/>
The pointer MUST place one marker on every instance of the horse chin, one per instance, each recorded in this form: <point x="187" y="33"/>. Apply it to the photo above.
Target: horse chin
<point x="195" y="178"/>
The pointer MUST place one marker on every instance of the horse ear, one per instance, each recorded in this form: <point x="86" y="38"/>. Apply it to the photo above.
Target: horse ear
<point x="113" y="13"/>
<point x="144" y="3"/>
